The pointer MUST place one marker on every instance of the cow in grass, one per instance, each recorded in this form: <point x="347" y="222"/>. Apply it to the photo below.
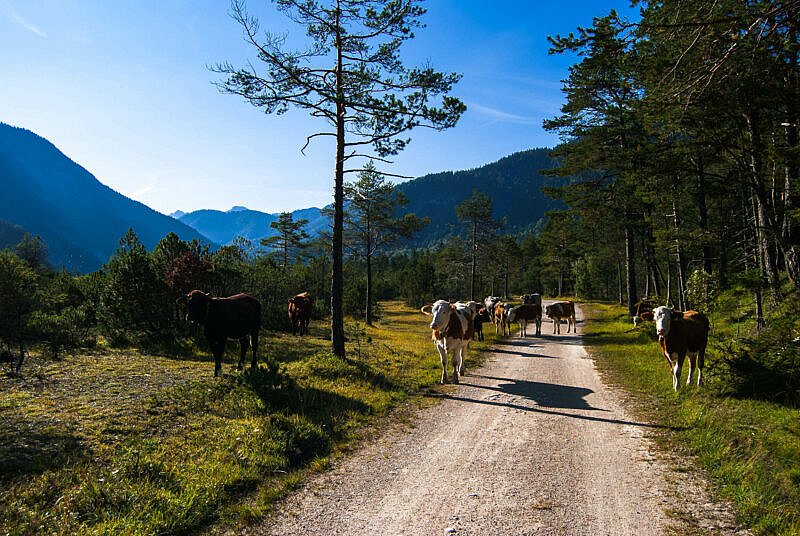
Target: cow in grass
<point x="299" y="310"/>
<point x="451" y="330"/>
<point x="236" y="318"/>
<point x="681" y="333"/>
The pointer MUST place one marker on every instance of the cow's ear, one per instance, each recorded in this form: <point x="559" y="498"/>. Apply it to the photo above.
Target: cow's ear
<point x="427" y="309"/>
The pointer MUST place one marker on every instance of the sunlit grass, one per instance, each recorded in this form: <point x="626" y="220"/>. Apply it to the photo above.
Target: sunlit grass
<point x="750" y="448"/>
<point x="119" y="442"/>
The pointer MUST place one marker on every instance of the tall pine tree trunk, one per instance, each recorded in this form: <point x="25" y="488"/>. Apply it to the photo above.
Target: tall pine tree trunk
<point x="630" y="266"/>
<point x="368" y="316"/>
<point x="703" y="213"/>
<point x="337" y="278"/>
<point x="474" y="260"/>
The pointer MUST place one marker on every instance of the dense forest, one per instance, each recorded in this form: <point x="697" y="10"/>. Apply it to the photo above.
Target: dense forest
<point x="685" y="126"/>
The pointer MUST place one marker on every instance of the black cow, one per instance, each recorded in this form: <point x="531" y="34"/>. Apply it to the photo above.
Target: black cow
<point x="480" y="318"/>
<point x="236" y="317"/>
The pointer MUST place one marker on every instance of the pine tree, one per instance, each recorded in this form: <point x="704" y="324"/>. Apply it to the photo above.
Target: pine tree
<point x="352" y="78"/>
<point x="370" y="221"/>
<point x="291" y="237"/>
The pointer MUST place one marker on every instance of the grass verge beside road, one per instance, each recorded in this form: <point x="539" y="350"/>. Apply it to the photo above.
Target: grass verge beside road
<point x="121" y="442"/>
<point x="750" y="448"/>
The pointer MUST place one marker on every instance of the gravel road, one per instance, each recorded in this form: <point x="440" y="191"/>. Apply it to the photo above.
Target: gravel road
<point x="532" y="443"/>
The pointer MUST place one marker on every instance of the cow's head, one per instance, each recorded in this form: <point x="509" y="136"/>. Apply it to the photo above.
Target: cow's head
<point x="196" y="303"/>
<point x="547" y="309"/>
<point x="483" y="314"/>
<point x="663" y="316"/>
<point x="440" y="311"/>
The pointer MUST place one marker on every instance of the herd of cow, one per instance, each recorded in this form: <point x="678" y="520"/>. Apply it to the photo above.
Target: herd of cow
<point x="453" y="325"/>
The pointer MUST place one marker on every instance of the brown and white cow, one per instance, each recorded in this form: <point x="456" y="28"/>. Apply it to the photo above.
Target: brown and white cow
<point x="522" y="314"/>
<point x="300" y="308"/>
<point x="451" y="325"/>
<point x="561" y="310"/>
<point x="681" y="333"/>
<point x="236" y="318"/>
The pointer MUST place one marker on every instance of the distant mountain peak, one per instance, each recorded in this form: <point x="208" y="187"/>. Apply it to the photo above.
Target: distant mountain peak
<point x="238" y="208"/>
<point x="178" y="214"/>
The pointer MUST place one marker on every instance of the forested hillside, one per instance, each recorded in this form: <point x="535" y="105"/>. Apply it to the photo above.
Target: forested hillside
<point x="80" y="219"/>
<point x="514" y="184"/>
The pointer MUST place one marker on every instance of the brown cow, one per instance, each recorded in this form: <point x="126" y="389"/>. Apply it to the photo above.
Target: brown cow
<point x="680" y="333"/>
<point x="499" y="317"/>
<point x="300" y="308"/>
<point x="559" y="311"/>
<point x="236" y="318"/>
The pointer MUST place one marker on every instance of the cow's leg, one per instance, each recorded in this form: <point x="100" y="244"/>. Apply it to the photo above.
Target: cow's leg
<point x="244" y="345"/>
<point x="217" y="348"/>
<point x="701" y="357"/>
<point x="692" y="363"/>
<point x="457" y="360"/>
<point x="254" y="344"/>
<point x="677" y="361"/>
<point x="443" y="356"/>
<point x="462" y="362"/>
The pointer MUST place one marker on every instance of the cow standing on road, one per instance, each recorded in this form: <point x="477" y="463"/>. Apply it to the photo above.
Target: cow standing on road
<point x="559" y="311"/>
<point x="236" y="318"/>
<point x="522" y="314"/>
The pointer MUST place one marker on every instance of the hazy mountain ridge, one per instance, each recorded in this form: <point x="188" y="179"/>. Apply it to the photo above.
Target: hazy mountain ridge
<point x="223" y="226"/>
<point x="80" y="219"/>
<point x="514" y="183"/>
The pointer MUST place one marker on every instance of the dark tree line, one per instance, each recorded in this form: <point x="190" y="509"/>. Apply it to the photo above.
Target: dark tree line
<point x="683" y="131"/>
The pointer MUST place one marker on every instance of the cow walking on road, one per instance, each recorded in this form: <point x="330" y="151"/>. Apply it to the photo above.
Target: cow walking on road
<point x="451" y="330"/>
<point x="562" y="310"/>
<point x="236" y="318"/>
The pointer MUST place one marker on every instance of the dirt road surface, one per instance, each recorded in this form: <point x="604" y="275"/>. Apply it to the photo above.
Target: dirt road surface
<point x="532" y="443"/>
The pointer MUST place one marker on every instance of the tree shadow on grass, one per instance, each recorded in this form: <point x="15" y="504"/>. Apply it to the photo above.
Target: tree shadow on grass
<point x="31" y="448"/>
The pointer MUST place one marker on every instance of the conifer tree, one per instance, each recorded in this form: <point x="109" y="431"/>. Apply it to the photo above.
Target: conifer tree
<point x="291" y="237"/>
<point x="352" y="78"/>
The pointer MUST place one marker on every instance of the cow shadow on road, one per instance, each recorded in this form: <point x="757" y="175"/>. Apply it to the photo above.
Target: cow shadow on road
<point x="548" y="395"/>
<point x="550" y="399"/>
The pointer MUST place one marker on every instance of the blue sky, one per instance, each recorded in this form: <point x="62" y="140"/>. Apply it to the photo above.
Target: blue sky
<point x="123" y="88"/>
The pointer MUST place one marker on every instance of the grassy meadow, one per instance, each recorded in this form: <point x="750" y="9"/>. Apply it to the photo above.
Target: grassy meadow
<point x="121" y="442"/>
<point x="749" y="447"/>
